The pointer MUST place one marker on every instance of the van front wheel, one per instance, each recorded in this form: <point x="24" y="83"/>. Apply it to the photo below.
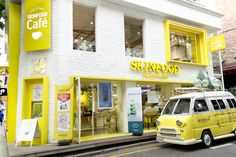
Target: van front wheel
<point x="207" y="139"/>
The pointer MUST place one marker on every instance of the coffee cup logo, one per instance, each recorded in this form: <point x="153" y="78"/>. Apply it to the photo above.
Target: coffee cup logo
<point x="37" y="35"/>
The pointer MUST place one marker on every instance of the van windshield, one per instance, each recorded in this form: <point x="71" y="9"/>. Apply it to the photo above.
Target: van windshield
<point x="182" y="107"/>
<point x="169" y="107"/>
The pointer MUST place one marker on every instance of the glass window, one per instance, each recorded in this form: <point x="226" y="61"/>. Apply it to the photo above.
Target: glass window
<point x="230" y="103"/>
<point x="200" y="106"/>
<point x="36" y="109"/>
<point x="183" y="106"/>
<point x="83" y="28"/>
<point x="133" y="37"/>
<point x="215" y="104"/>
<point x="185" y="44"/>
<point x="234" y="102"/>
<point x="169" y="107"/>
<point x="222" y="104"/>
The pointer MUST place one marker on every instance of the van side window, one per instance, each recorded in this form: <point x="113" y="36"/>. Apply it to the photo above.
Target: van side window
<point x="215" y="104"/>
<point x="234" y="102"/>
<point x="222" y="104"/>
<point x="230" y="103"/>
<point x="200" y="106"/>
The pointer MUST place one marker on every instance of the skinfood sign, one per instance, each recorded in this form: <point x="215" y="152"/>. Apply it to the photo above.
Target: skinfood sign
<point x="151" y="69"/>
<point x="37" y="25"/>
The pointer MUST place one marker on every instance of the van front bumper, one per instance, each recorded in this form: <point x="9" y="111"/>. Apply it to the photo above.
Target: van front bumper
<point x="177" y="140"/>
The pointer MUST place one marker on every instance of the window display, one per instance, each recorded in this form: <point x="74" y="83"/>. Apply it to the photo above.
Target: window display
<point x="182" y="47"/>
<point x="133" y="37"/>
<point x="100" y="108"/>
<point x="185" y="44"/>
<point x="83" y="28"/>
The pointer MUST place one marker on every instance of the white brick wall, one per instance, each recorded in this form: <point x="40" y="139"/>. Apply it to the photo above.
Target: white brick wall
<point x="109" y="60"/>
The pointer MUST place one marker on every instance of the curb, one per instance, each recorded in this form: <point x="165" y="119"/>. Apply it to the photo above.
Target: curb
<point x="91" y="146"/>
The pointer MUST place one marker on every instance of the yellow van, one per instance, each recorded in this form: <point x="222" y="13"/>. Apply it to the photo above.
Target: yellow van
<point x="197" y="117"/>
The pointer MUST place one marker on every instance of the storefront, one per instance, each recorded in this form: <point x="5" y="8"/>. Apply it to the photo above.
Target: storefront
<point x="80" y="62"/>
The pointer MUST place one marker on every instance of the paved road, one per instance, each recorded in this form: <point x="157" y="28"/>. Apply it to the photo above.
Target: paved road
<point x="221" y="148"/>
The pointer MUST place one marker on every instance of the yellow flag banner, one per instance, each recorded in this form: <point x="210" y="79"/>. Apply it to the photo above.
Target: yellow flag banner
<point x="63" y="120"/>
<point x="217" y="43"/>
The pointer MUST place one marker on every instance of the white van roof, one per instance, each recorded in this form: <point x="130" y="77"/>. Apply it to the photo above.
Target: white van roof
<point x="203" y="94"/>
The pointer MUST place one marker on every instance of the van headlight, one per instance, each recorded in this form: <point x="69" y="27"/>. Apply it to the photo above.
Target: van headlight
<point x="179" y="123"/>
<point x="158" y="122"/>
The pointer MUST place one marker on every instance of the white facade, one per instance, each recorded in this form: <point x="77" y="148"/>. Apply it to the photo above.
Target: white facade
<point x="109" y="60"/>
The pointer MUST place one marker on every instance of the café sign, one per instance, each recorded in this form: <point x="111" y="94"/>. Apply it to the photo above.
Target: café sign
<point x="37" y="25"/>
<point x="154" y="70"/>
<point x="217" y="43"/>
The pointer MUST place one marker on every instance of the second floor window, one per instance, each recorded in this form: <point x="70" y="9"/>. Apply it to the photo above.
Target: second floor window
<point x="133" y="37"/>
<point x="185" y="44"/>
<point x="83" y="28"/>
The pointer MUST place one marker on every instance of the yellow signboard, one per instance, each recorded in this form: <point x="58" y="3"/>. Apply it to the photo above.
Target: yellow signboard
<point x="217" y="43"/>
<point x="37" y="25"/>
<point x="63" y="119"/>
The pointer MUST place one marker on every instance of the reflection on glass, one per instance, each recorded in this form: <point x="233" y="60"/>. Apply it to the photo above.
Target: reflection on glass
<point x="133" y="37"/>
<point x="83" y="28"/>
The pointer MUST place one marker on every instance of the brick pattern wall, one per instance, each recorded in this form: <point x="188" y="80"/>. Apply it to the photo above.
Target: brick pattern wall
<point x="227" y="7"/>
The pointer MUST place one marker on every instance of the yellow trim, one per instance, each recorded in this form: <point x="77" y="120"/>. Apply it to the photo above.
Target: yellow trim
<point x="26" y="105"/>
<point x="128" y="79"/>
<point x="74" y="105"/>
<point x="189" y="63"/>
<point x="200" y="49"/>
<point x="14" y="51"/>
<point x="103" y="136"/>
<point x="4" y="67"/>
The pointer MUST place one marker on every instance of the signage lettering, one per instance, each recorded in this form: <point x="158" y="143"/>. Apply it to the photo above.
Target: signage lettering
<point x="217" y="43"/>
<point x="151" y="69"/>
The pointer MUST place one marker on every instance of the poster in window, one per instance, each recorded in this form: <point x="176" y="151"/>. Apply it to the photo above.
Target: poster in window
<point x="36" y="109"/>
<point x="105" y="96"/>
<point x="63" y="102"/>
<point x="37" y="92"/>
<point x="63" y="122"/>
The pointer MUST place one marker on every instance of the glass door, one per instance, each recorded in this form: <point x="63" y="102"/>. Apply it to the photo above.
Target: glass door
<point x="86" y="108"/>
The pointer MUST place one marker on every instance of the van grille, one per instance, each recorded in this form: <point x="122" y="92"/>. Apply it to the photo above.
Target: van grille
<point x="168" y="131"/>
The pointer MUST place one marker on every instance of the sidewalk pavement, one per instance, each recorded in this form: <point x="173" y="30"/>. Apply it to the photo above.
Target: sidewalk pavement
<point x="53" y="149"/>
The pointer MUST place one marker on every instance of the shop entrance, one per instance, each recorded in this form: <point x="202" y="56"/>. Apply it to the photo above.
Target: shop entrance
<point x="35" y="105"/>
<point x="98" y="108"/>
<point x="150" y="105"/>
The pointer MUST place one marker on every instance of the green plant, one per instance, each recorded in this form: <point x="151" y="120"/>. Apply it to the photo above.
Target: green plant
<point x="2" y="14"/>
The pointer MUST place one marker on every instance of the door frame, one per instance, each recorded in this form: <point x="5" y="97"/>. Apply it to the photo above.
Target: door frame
<point x="27" y="82"/>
